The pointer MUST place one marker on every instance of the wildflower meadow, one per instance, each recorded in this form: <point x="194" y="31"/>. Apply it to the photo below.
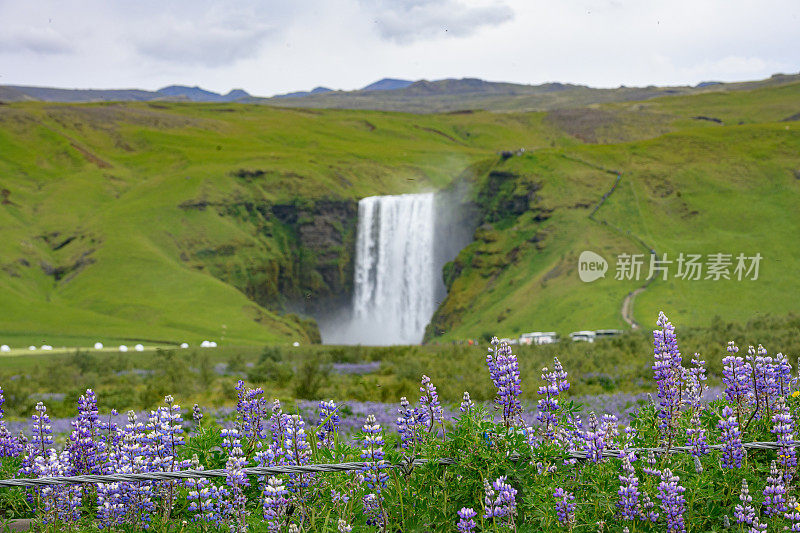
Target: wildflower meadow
<point x="682" y="463"/>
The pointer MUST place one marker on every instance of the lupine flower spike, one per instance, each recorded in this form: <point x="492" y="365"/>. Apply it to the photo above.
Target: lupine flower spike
<point x="775" y="492"/>
<point x="732" y="451"/>
<point x="668" y="374"/>
<point x="744" y="513"/>
<point x="504" y="371"/>
<point x="628" y="491"/>
<point x="565" y="509"/>
<point x="672" y="501"/>
<point x="466" y="524"/>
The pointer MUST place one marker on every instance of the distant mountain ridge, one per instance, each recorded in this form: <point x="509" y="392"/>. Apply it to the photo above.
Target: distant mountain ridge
<point x="19" y="93"/>
<point x="467" y="94"/>
<point x="300" y="94"/>
<point x="387" y="84"/>
<point x="392" y="94"/>
<point x="196" y="94"/>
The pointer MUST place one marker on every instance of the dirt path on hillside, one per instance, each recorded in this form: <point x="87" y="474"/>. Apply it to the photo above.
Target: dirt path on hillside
<point x="626" y="309"/>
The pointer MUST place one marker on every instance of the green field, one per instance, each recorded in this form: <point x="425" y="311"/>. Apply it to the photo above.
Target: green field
<point x="165" y="223"/>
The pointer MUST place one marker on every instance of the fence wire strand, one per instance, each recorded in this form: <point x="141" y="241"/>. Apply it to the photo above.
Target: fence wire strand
<point x="312" y="469"/>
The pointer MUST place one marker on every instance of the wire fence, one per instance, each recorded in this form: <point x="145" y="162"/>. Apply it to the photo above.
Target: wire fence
<point x="316" y="468"/>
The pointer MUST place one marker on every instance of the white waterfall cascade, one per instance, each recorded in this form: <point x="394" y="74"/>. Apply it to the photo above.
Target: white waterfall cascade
<point x="396" y="278"/>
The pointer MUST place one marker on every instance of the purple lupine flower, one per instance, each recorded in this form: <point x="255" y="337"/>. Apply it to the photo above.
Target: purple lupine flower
<point x="757" y="526"/>
<point x="164" y="439"/>
<point x="548" y="406"/>
<point x="278" y="422"/>
<point x="197" y="414"/>
<point x="275" y="504"/>
<point x="373" y="510"/>
<point x="650" y="464"/>
<point x="628" y="491"/>
<point x="236" y="481"/>
<point x="373" y="455"/>
<point x="466" y="524"/>
<point x="85" y="449"/>
<point x="59" y="503"/>
<point x="343" y="526"/>
<point x="409" y="424"/>
<point x="672" y="501"/>
<point x="764" y="385"/>
<point x="297" y="451"/>
<point x="775" y="492"/>
<point x="466" y="404"/>
<point x="668" y="372"/>
<point x="112" y="498"/>
<point x="501" y="502"/>
<point x="565" y="509"/>
<point x="783" y="374"/>
<point x="9" y="446"/>
<point x="429" y="404"/>
<point x="647" y="511"/>
<point x="793" y="514"/>
<point x="132" y="456"/>
<point x="204" y="500"/>
<point x="736" y="378"/>
<point x="328" y="424"/>
<point x="572" y="436"/>
<point x="693" y="383"/>
<point x="696" y="435"/>
<point x="744" y="512"/>
<point x="731" y="437"/>
<point x="593" y="440"/>
<point x="625" y="450"/>
<point x="784" y="436"/>
<point x="250" y="409"/>
<point x="504" y="371"/>
<point x="42" y="433"/>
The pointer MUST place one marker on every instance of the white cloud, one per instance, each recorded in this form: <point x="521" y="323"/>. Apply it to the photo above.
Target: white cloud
<point x="220" y="34"/>
<point x="276" y="46"/>
<point x="35" y="40"/>
<point x="404" y="21"/>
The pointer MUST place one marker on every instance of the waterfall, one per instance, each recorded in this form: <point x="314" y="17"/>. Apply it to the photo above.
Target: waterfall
<point x="394" y="279"/>
<point x="402" y="243"/>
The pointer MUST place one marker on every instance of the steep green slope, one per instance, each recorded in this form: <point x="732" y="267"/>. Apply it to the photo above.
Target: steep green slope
<point x="727" y="189"/>
<point x="180" y="221"/>
<point x="171" y="222"/>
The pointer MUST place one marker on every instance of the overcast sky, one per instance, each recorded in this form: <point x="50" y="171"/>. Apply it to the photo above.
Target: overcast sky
<point x="275" y="46"/>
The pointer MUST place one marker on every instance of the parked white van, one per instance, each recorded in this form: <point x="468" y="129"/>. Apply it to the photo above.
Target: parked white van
<point x="582" y="336"/>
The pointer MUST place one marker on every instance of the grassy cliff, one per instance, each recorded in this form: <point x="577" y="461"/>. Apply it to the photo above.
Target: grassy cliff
<point x="176" y="222"/>
<point x="704" y="187"/>
<point x="171" y="222"/>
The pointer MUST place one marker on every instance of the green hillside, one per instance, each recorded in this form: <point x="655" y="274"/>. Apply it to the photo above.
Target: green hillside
<point x="171" y="222"/>
<point x="186" y="221"/>
<point x="704" y="191"/>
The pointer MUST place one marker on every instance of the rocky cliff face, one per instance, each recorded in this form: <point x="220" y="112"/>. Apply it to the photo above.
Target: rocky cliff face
<point x="299" y="258"/>
<point x="500" y="198"/>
